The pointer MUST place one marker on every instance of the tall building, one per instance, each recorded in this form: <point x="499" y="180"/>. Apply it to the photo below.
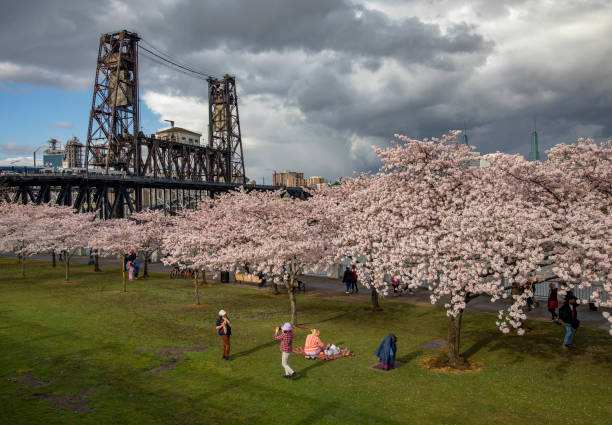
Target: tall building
<point x="534" y="155"/>
<point x="314" y="181"/>
<point x="179" y="135"/>
<point x="73" y="154"/>
<point x="288" y="179"/>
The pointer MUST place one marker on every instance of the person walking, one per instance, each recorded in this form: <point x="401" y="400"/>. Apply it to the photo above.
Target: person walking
<point x="354" y="282"/>
<point x="286" y="339"/>
<point x="224" y="329"/>
<point x="347" y="279"/>
<point x="569" y="314"/>
<point x="553" y="302"/>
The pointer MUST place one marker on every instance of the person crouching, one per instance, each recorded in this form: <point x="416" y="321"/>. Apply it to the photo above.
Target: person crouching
<point x="313" y="345"/>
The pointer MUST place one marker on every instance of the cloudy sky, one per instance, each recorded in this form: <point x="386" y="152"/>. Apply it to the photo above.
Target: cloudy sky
<point x="321" y="81"/>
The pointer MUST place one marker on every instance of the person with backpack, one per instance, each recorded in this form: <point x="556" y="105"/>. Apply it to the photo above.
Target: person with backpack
<point x="224" y="329"/>
<point x="569" y="314"/>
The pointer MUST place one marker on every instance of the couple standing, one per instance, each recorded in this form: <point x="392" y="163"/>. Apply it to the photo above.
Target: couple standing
<point x="350" y="279"/>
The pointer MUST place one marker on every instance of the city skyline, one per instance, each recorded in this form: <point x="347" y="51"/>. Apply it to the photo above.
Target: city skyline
<point x="314" y="95"/>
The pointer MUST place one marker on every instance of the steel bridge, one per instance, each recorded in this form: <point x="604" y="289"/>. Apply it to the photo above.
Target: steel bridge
<point x="125" y="170"/>
<point x="116" y="196"/>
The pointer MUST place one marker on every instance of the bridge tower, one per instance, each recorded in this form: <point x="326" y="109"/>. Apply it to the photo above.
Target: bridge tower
<point x="224" y="131"/>
<point x="112" y="135"/>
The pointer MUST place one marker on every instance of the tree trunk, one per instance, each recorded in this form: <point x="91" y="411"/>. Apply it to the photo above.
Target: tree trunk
<point x="197" y="291"/>
<point x="454" y="337"/>
<point x="53" y="262"/>
<point x="291" y="292"/>
<point x="145" y="272"/>
<point x="374" y="298"/>
<point x="275" y="288"/>
<point x="18" y="258"/>
<point x="203" y="276"/>
<point x="68" y="266"/>
<point x="23" y="266"/>
<point x="97" y="262"/>
<point x="123" y="273"/>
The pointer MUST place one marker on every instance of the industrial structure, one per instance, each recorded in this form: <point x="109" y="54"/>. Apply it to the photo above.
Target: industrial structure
<point x="122" y="170"/>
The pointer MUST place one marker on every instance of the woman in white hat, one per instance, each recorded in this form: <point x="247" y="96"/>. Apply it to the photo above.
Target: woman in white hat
<point x="286" y="339"/>
<point x="224" y="328"/>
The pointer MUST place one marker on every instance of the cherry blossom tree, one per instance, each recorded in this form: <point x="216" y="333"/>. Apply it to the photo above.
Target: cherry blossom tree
<point x="275" y="234"/>
<point x="153" y="226"/>
<point x="115" y="238"/>
<point x="195" y="239"/>
<point x="572" y="191"/>
<point x="434" y="220"/>
<point x="20" y="231"/>
<point x="65" y="230"/>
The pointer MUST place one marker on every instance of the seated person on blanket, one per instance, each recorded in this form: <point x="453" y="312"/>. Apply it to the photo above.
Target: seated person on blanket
<point x="387" y="351"/>
<point x="313" y="345"/>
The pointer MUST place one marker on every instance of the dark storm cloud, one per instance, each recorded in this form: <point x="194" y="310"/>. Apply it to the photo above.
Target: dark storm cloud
<point x="336" y="75"/>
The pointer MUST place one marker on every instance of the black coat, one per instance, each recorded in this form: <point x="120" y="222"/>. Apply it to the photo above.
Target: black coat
<point x="565" y="313"/>
<point x="348" y="276"/>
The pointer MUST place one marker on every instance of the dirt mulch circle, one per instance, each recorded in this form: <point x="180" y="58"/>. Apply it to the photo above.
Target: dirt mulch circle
<point x="378" y="366"/>
<point x="439" y="363"/>
<point x="170" y="356"/>
<point x="376" y="310"/>
<point x="196" y="305"/>
<point x="66" y="283"/>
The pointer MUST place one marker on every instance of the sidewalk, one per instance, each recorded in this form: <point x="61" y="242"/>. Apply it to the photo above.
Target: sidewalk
<point x="334" y="289"/>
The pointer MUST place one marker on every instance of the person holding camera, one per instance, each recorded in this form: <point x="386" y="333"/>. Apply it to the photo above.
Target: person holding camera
<point x="224" y="329"/>
<point x="569" y="314"/>
<point x="286" y="339"/>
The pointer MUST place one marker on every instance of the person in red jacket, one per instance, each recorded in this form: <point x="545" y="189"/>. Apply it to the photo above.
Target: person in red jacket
<point x="286" y="339"/>
<point x="553" y="302"/>
<point x="354" y="283"/>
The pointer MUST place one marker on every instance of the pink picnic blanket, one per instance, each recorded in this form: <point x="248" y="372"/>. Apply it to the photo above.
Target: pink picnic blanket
<point x="322" y="355"/>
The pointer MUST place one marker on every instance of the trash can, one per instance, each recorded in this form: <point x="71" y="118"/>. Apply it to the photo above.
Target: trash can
<point x="224" y="277"/>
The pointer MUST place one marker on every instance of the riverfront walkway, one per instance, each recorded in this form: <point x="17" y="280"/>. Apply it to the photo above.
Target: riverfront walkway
<point x="329" y="288"/>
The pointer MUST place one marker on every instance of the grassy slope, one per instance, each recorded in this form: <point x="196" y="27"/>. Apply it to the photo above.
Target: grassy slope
<point x="84" y="337"/>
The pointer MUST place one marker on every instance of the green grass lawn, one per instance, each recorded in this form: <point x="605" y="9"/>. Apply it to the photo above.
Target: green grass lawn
<point x="83" y="347"/>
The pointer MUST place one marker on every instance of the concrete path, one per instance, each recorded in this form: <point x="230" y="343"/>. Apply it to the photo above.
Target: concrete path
<point x="334" y="289"/>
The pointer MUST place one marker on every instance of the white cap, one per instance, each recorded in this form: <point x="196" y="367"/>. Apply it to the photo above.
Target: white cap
<point x="222" y="312"/>
<point x="287" y="326"/>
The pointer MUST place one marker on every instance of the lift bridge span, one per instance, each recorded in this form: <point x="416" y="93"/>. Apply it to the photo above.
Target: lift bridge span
<point x="125" y="170"/>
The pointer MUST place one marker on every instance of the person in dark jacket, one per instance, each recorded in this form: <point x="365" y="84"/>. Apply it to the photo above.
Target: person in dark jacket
<point x="347" y="279"/>
<point x="569" y="314"/>
<point x="387" y="351"/>
<point x="224" y="329"/>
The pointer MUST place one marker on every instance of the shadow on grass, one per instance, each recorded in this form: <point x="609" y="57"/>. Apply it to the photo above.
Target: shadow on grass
<point x="255" y="349"/>
<point x="410" y="356"/>
<point x="480" y="344"/>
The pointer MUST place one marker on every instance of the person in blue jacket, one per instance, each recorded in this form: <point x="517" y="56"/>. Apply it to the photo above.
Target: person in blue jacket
<point x="387" y="351"/>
